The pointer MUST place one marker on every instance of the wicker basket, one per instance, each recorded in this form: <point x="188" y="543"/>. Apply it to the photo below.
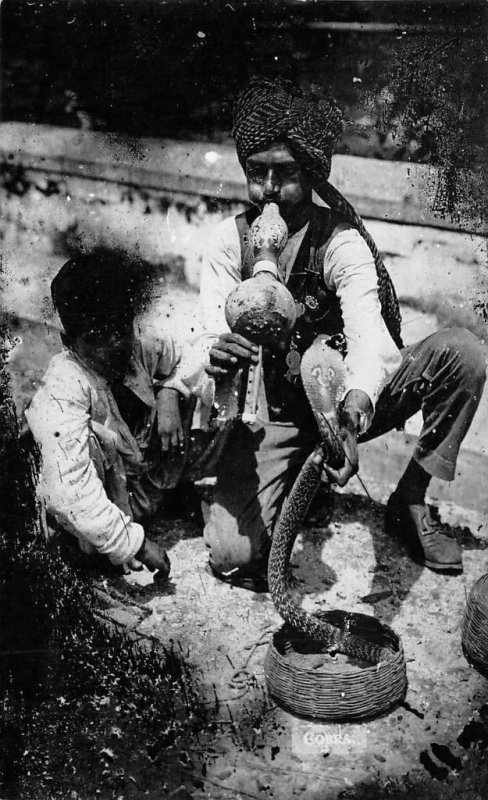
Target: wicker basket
<point x="475" y="625"/>
<point x="311" y="684"/>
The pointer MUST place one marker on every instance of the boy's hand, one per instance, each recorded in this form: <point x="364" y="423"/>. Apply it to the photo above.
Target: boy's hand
<point x="170" y="429"/>
<point x="132" y="566"/>
<point x="231" y="352"/>
<point x="155" y="558"/>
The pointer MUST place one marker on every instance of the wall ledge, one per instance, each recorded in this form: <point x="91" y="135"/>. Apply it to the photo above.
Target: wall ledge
<point x="384" y="190"/>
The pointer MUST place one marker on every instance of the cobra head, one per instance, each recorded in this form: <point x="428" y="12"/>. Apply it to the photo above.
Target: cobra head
<point x="323" y="376"/>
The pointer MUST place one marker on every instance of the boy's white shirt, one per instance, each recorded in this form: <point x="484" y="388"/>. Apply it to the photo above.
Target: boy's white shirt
<point x="71" y="404"/>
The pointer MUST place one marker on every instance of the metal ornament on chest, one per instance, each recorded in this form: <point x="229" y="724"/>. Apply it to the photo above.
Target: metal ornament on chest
<point x="311" y="302"/>
<point x="293" y="361"/>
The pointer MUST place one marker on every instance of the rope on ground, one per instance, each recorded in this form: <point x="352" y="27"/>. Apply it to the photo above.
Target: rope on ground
<point x="241" y="679"/>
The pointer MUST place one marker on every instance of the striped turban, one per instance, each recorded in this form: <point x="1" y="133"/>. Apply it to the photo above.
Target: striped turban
<point x="271" y="111"/>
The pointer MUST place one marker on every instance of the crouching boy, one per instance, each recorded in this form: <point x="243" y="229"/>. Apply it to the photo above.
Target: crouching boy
<point x="105" y="410"/>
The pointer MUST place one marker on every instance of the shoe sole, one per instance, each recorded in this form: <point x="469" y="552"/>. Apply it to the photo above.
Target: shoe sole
<point x="440" y="567"/>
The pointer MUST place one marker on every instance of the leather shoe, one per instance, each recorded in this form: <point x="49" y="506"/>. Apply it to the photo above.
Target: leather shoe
<point x="422" y="533"/>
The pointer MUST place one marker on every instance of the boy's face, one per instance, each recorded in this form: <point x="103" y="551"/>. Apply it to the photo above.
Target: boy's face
<point x="110" y="350"/>
<point x="273" y="175"/>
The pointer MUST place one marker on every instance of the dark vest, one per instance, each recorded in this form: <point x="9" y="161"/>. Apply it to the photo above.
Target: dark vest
<point x="318" y="308"/>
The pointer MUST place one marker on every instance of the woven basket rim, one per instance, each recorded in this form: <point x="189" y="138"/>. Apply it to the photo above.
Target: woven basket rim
<point x="287" y="635"/>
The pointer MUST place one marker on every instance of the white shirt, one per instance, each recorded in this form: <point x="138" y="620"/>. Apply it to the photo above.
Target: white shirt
<point x="349" y="270"/>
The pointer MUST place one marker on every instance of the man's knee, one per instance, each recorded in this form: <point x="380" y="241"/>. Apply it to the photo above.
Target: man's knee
<point x="232" y="545"/>
<point x="465" y="348"/>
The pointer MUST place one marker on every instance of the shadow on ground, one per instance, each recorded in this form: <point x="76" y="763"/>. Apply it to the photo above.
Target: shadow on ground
<point x="393" y="572"/>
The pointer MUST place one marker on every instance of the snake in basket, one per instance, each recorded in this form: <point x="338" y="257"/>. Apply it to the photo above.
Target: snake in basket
<point x="356" y="635"/>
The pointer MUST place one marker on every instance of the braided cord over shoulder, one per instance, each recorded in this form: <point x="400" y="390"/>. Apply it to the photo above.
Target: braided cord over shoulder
<point x="390" y="308"/>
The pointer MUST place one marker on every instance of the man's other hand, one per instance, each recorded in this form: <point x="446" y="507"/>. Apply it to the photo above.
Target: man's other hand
<point x="170" y="429"/>
<point x="231" y="352"/>
<point x="355" y="407"/>
<point x="349" y="441"/>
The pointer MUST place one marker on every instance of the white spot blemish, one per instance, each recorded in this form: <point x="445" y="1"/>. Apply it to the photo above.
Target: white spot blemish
<point x="211" y="157"/>
<point x="171" y="228"/>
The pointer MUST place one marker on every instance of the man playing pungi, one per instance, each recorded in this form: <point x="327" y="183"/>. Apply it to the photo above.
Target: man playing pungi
<point x="285" y="140"/>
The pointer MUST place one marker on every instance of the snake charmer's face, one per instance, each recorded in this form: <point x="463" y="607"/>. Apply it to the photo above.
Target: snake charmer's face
<point x="274" y="176"/>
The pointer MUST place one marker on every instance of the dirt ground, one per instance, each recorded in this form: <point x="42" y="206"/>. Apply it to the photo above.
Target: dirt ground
<point x="224" y="632"/>
<point x="431" y="747"/>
